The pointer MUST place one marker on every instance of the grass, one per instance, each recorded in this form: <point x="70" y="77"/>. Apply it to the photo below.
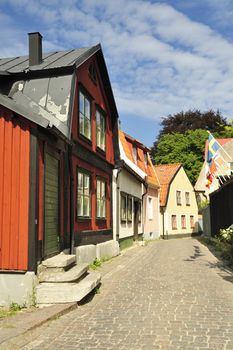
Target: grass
<point x="98" y="262"/>
<point x="11" y="311"/>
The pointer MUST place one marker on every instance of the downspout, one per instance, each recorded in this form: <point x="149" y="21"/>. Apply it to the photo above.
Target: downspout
<point x="118" y="205"/>
<point x="70" y="148"/>
<point x="163" y="222"/>
<point x="145" y="184"/>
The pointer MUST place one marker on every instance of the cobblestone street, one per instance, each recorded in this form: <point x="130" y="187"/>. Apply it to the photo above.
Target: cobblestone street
<point x="168" y="295"/>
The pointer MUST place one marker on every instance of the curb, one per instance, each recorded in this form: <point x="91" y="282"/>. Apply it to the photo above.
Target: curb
<point x="14" y="326"/>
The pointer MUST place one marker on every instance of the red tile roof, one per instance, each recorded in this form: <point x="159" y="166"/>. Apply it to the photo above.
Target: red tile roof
<point x="165" y="174"/>
<point x="128" y="143"/>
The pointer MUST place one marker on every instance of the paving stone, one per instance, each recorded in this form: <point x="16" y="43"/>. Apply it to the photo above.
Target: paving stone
<point x="151" y="297"/>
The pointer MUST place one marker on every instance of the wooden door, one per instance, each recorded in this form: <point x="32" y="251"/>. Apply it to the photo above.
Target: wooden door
<point x="136" y="218"/>
<point x="51" y="205"/>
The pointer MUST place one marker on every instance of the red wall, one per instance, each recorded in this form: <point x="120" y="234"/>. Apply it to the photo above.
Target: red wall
<point x="93" y="223"/>
<point x="96" y="91"/>
<point x="14" y="192"/>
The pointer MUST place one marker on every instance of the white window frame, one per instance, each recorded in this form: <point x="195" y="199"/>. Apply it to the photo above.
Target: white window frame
<point x="101" y="188"/>
<point x="85" y="115"/>
<point x="100" y="130"/>
<point x="83" y="197"/>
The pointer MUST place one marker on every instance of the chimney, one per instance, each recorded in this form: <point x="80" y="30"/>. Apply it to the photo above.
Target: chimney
<point x="35" y="48"/>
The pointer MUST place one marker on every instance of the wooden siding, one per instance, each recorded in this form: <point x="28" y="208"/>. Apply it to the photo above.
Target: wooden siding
<point x="14" y="192"/>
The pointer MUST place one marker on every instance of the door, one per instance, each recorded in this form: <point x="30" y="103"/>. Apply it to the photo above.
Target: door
<point x="136" y="218"/>
<point x="51" y="205"/>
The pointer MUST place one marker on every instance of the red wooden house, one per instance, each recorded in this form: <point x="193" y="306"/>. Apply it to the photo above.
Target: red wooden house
<point x="58" y="147"/>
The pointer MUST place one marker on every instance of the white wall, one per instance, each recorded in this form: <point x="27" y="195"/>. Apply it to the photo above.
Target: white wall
<point x="128" y="184"/>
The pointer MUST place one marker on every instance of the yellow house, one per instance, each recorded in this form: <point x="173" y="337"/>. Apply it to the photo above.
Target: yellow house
<point x="178" y="205"/>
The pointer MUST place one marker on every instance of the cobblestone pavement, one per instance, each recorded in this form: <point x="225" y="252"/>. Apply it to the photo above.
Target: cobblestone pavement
<point x="168" y="295"/>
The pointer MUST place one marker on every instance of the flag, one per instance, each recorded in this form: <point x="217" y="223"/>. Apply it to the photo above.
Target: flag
<point x="215" y="161"/>
<point x="213" y="147"/>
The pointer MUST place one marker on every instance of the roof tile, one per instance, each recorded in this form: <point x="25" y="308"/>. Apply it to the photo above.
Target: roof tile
<point x="165" y="174"/>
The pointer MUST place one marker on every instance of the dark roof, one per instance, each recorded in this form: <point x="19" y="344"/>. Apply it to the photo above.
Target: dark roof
<point x="52" y="60"/>
<point x="24" y="88"/>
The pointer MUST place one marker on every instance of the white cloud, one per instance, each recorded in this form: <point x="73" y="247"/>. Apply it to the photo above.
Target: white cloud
<point x="160" y="61"/>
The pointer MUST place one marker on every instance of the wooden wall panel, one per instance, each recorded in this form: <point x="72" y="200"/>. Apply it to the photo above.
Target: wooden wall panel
<point x="14" y="192"/>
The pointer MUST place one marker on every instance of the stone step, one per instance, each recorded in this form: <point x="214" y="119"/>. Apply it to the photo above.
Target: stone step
<point x="60" y="262"/>
<point x="72" y="275"/>
<point x="53" y="293"/>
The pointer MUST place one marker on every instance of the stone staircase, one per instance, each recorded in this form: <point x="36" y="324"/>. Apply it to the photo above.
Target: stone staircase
<point x="62" y="280"/>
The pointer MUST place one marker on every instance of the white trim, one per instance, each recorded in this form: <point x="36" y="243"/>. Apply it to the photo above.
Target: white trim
<point x="133" y="166"/>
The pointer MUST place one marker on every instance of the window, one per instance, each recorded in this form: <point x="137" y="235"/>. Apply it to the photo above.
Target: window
<point x="174" y="222"/>
<point x="183" y="221"/>
<point x="178" y="197"/>
<point x="100" y="130"/>
<point x="140" y="211"/>
<point x="135" y="154"/>
<point x="145" y="160"/>
<point x="123" y="207"/>
<point x="129" y="208"/>
<point x="92" y="72"/>
<point x="187" y="198"/>
<point x="84" y="116"/>
<point x="83" y="194"/>
<point x="150" y="208"/>
<point x="100" y="199"/>
<point x="192" y="224"/>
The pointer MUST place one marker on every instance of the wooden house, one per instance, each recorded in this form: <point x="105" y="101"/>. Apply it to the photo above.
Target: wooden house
<point x="58" y="147"/>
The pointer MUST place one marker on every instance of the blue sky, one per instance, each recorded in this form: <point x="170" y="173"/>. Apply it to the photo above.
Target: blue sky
<point x="162" y="56"/>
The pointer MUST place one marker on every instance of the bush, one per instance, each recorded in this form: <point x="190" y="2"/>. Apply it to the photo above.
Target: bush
<point x="226" y="235"/>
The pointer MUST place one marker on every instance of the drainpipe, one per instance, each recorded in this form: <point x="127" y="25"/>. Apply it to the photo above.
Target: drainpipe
<point x="118" y="204"/>
<point x="163" y="223"/>
<point x="145" y="184"/>
<point x="71" y="199"/>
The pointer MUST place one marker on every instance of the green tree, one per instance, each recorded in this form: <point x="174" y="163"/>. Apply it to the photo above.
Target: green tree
<point x="192" y="120"/>
<point x="186" y="148"/>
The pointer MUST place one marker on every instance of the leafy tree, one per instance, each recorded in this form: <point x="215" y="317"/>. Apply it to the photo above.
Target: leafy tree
<point x="186" y="148"/>
<point x="192" y="120"/>
<point x="227" y="131"/>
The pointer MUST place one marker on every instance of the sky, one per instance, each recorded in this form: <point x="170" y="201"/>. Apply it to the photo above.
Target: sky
<point x="163" y="56"/>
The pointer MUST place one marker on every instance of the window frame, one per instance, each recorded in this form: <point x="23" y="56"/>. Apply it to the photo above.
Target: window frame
<point x="103" y="115"/>
<point x="102" y="181"/>
<point x="129" y="200"/>
<point x="146" y="160"/>
<point x="178" y="198"/>
<point x="124" y="217"/>
<point x="192" y="221"/>
<point x="88" y="98"/>
<point x="85" y="173"/>
<point x="183" y="222"/>
<point x="135" y="154"/>
<point x="92" y="72"/>
<point x="174" y="227"/>
<point x="150" y="208"/>
<point x="187" y="202"/>
<point x="140" y="211"/>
